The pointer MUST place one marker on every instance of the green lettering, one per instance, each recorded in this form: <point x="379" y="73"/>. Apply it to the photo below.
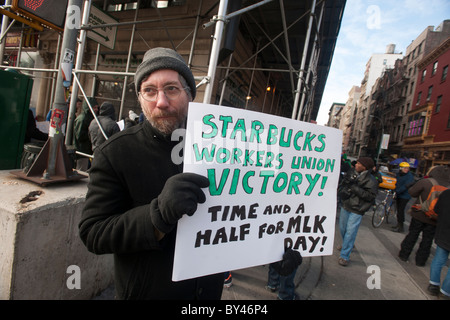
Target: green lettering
<point x="245" y="184"/>
<point x="240" y="126"/>
<point x="226" y="155"/>
<point x="226" y="120"/>
<point x="281" y="176"/>
<point x="298" y="135"/>
<point x="266" y="174"/>
<point x="235" y="181"/>
<point x="206" y="120"/>
<point x="308" y="139"/>
<point x="272" y="135"/>
<point x="321" y="138"/>
<point x="296" y="179"/>
<point x="215" y="190"/>
<point x="285" y="143"/>
<point x="257" y="129"/>
<point x="205" y="155"/>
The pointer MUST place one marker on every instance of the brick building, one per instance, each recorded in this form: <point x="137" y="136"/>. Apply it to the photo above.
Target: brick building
<point x="428" y="128"/>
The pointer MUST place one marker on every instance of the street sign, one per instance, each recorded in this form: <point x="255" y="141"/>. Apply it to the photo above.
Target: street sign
<point x="385" y="141"/>
<point x="105" y="35"/>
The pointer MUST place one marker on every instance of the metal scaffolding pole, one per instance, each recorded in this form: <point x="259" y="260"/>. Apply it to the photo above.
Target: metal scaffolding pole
<point x="4" y="30"/>
<point x="79" y="63"/>
<point x="302" y="66"/>
<point x="220" y="23"/>
<point x="286" y="41"/>
<point x="130" y="48"/>
<point x="220" y="20"/>
<point x="53" y="164"/>
<point x="311" y="59"/>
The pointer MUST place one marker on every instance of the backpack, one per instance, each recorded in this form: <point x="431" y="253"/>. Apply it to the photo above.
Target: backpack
<point x="427" y="206"/>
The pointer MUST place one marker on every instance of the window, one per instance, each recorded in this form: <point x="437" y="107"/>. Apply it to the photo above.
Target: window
<point x="418" y="98"/>
<point x="444" y="73"/>
<point x="415" y="125"/>
<point x="430" y="90"/>
<point x="448" y="122"/>
<point x="435" y="65"/>
<point x="438" y="104"/>
<point x="424" y="73"/>
<point x="412" y="88"/>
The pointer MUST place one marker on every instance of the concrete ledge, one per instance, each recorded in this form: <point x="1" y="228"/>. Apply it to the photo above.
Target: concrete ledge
<point x="39" y="242"/>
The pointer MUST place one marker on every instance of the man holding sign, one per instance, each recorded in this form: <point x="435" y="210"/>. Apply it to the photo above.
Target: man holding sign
<point x="137" y="194"/>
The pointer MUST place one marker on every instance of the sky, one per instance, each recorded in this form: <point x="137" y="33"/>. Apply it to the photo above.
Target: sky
<point x="367" y="27"/>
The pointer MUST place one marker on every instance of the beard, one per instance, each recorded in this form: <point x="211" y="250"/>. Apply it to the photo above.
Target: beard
<point x="166" y="122"/>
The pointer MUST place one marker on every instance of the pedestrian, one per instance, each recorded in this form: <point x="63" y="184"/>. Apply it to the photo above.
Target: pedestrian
<point x="77" y="109"/>
<point x="420" y="222"/>
<point x="81" y="139"/>
<point x="106" y="117"/>
<point x="32" y="132"/>
<point x="282" y="273"/>
<point x="136" y="193"/>
<point x="404" y="180"/>
<point x="357" y="191"/>
<point x="377" y="175"/>
<point x="131" y="120"/>
<point x="442" y="240"/>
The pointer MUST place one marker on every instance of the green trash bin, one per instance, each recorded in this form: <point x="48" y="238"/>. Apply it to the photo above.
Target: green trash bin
<point x="15" y="96"/>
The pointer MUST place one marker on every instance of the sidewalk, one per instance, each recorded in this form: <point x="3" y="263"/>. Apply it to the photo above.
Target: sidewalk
<point x="322" y="278"/>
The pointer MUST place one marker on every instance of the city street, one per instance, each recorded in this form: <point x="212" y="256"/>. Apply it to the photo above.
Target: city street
<point x="374" y="273"/>
<point x="322" y="278"/>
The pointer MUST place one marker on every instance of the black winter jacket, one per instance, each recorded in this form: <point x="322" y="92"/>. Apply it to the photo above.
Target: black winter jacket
<point x="106" y="118"/>
<point x="358" y="192"/>
<point x="442" y="208"/>
<point x="128" y="172"/>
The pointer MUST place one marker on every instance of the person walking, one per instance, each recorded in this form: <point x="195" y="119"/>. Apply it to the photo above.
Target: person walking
<point x="81" y="139"/>
<point x="106" y="117"/>
<point x="442" y="240"/>
<point x="404" y="180"/>
<point x="282" y="273"/>
<point x="357" y="191"/>
<point x="420" y="222"/>
<point x="136" y="193"/>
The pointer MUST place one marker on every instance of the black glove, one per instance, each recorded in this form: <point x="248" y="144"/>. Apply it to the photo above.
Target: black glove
<point x="180" y="195"/>
<point x="290" y="262"/>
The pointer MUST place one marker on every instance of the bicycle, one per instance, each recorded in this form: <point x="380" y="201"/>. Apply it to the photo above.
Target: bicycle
<point x="384" y="209"/>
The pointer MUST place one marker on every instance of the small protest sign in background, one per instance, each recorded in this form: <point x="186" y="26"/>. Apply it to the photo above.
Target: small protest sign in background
<point x="273" y="185"/>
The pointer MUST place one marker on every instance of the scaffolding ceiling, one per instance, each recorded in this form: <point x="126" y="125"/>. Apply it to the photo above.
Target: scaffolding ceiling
<point x="294" y="43"/>
<point x="279" y="29"/>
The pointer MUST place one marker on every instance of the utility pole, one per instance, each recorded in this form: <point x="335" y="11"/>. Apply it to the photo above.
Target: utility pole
<point x="53" y="163"/>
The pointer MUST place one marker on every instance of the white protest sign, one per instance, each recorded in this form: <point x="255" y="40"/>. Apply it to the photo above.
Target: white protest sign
<point x="273" y="184"/>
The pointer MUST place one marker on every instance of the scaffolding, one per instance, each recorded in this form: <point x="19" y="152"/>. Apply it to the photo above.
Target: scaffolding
<point x="306" y="75"/>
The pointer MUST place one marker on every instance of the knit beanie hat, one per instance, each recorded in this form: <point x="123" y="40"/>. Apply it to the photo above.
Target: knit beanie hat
<point x="366" y="162"/>
<point x="163" y="58"/>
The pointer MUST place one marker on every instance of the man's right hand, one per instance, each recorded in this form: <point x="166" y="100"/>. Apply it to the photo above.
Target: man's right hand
<point x="180" y="195"/>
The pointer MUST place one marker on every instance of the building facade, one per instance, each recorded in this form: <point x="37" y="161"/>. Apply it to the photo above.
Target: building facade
<point x="428" y="131"/>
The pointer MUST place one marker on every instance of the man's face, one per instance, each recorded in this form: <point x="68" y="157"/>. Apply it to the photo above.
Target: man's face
<point x="359" y="167"/>
<point x="404" y="169"/>
<point x="165" y="115"/>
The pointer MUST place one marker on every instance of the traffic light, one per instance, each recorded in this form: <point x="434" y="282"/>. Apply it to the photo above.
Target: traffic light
<point x="51" y="13"/>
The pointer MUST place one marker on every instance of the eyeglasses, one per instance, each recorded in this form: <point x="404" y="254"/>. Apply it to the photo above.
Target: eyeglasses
<point x="151" y="93"/>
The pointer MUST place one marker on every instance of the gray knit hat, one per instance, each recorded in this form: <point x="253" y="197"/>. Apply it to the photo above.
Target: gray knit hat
<point x="164" y="58"/>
